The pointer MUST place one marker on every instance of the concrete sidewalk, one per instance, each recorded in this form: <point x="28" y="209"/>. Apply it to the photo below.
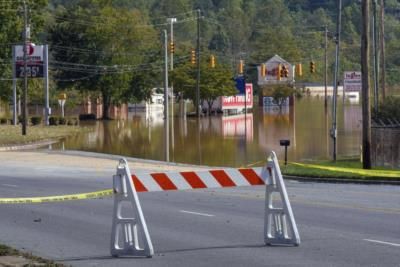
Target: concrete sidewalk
<point x="79" y="159"/>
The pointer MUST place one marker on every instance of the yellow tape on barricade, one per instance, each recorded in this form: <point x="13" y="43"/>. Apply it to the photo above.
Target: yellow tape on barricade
<point x="35" y="200"/>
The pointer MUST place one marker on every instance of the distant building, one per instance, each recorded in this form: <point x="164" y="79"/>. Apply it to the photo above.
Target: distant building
<point x="155" y="103"/>
<point x="277" y="71"/>
<point x="272" y="67"/>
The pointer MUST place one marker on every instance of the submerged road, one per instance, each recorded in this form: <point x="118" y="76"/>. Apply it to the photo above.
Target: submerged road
<point x="339" y="224"/>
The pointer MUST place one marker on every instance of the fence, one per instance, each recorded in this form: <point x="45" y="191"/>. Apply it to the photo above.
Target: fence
<point x="385" y="150"/>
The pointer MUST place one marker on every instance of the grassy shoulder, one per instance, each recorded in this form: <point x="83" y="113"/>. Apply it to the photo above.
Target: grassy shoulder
<point x="11" y="135"/>
<point x="13" y="257"/>
<point x="343" y="169"/>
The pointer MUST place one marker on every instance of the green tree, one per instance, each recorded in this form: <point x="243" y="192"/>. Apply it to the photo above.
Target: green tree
<point x="11" y="28"/>
<point x="279" y="93"/>
<point x="214" y="82"/>
<point x="105" y="52"/>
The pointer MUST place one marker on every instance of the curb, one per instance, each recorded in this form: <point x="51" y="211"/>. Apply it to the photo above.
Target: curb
<point x="288" y="177"/>
<point x="27" y="146"/>
<point x="117" y="157"/>
<point x="340" y="181"/>
<point x="132" y="159"/>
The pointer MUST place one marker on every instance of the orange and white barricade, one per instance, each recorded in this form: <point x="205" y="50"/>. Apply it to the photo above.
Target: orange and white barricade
<point x="130" y="236"/>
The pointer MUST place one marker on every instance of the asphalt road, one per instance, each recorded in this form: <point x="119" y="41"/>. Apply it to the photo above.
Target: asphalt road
<point x="339" y="225"/>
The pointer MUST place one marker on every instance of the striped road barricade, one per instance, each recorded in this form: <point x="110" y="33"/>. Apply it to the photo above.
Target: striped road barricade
<point x="130" y="236"/>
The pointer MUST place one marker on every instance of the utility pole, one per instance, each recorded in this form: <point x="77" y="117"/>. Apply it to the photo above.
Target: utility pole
<point x="46" y="84"/>
<point x="366" y="108"/>
<point x="198" y="66"/>
<point x="335" y="85"/>
<point x="382" y="38"/>
<point x="25" y="94"/>
<point x="376" y="60"/>
<point x="166" y="115"/>
<point x="326" y="67"/>
<point x="14" y="85"/>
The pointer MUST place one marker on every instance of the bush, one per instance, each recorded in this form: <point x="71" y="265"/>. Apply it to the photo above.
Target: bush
<point x="53" y="120"/>
<point x="86" y="117"/>
<point x="3" y="120"/>
<point x="72" y="121"/>
<point x="388" y="110"/>
<point x="62" y="121"/>
<point x="36" y="120"/>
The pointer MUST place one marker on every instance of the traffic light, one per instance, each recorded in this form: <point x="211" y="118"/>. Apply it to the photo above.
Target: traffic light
<point x="263" y="70"/>
<point x="212" y="61"/>
<point x="299" y="70"/>
<point x="241" y="65"/>
<point x="278" y="72"/>
<point x="312" y="66"/>
<point x="193" y="56"/>
<point x="172" y="47"/>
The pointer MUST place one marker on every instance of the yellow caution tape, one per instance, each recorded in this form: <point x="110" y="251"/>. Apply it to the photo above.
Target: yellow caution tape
<point x="34" y="200"/>
<point x="379" y="173"/>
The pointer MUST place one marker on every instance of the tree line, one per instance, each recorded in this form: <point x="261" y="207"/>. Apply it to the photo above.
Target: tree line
<point x="114" y="48"/>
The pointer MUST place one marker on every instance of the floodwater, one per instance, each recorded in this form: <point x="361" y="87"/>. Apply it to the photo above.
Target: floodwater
<point x="237" y="141"/>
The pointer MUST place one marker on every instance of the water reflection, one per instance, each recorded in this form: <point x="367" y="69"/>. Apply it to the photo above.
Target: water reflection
<point x="237" y="140"/>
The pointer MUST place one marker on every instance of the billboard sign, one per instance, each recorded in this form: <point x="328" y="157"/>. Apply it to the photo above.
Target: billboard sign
<point x="352" y="81"/>
<point x="34" y="60"/>
<point x="240" y="84"/>
<point x="238" y="101"/>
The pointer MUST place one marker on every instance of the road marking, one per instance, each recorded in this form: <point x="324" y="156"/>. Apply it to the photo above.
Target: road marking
<point x="197" y="213"/>
<point x="382" y="242"/>
<point x="10" y="185"/>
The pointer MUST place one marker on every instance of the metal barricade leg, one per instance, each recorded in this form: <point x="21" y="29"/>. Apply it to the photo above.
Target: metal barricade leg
<point x="129" y="235"/>
<point x="279" y="223"/>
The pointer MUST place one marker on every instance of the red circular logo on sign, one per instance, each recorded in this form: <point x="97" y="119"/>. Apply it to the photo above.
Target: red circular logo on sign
<point x="30" y="48"/>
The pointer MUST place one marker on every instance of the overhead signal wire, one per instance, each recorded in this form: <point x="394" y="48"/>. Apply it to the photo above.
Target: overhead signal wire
<point x="107" y="69"/>
<point x="98" y="23"/>
<point x="174" y="15"/>
<point x="85" y="51"/>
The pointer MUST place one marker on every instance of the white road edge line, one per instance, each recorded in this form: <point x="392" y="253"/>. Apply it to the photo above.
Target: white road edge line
<point x="197" y="213"/>
<point x="10" y="185"/>
<point x="382" y="242"/>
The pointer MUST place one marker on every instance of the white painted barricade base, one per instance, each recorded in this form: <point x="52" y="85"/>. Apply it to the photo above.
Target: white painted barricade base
<point x="279" y="224"/>
<point x="129" y="236"/>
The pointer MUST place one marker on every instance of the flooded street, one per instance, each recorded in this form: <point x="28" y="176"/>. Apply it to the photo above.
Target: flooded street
<point x="238" y="140"/>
